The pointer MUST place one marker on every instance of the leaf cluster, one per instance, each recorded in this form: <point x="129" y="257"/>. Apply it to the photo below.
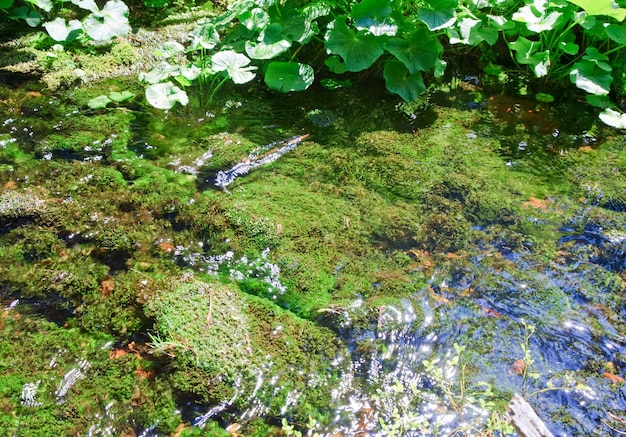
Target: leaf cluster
<point x="286" y="42"/>
<point x="97" y="24"/>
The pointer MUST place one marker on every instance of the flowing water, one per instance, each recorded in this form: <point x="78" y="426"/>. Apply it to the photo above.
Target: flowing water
<point x="503" y="315"/>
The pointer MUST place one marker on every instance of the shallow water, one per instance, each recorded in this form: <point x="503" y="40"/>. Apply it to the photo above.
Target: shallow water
<point x="429" y="362"/>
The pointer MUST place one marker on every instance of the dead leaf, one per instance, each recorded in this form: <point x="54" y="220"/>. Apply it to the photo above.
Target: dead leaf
<point x="437" y="298"/>
<point x="179" y="430"/>
<point x="167" y="247"/>
<point x="491" y="312"/>
<point x="140" y="349"/>
<point x="533" y="202"/>
<point x="107" y="286"/>
<point x="615" y="379"/>
<point x="33" y="94"/>
<point x="117" y="353"/>
<point x="145" y="374"/>
<point x="233" y="429"/>
<point x="10" y="185"/>
<point x="585" y="149"/>
<point x="128" y="432"/>
<point x="518" y="367"/>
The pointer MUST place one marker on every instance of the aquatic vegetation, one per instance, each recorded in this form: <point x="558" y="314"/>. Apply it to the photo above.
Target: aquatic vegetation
<point x="245" y="349"/>
<point x="257" y="158"/>
<point x="390" y="237"/>
<point x="99" y="25"/>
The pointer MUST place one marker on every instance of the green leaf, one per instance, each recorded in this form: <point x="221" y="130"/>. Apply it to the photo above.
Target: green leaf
<point x="586" y="76"/>
<point x="191" y="73"/>
<point x="500" y="23"/>
<point x="373" y="15"/>
<point x="299" y="28"/>
<point x="524" y="49"/>
<point x="314" y="10"/>
<point x="205" y="37"/>
<point x="6" y="4"/>
<point x="440" y="68"/>
<point x="335" y="64"/>
<point x="472" y="32"/>
<point x="99" y="102"/>
<point x="536" y="17"/>
<point x="32" y="18"/>
<point x="599" y="101"/>
<point x="235" y="64"/>
<point x="44" y="5"/>
<point x="289" y="76"/>
<point x="601" y="7"/>
<point x="160" y="72"/>
<point x="59" y="30"/>
<point x="254" y="19"/>
<point x="165" y="95"/>
<point x="169" y="49"/>
<point x="544" y="97"/>
<point x="262" y="50"/>
<point x="120" y="97"/>
<point x="617" y="33"/>
<point x="600" y="59"/>
<point x="398" y="80"/>
<point x="359" y="50"/>
<point x="613" y="118"/>
<point x="110" y="22"/>
<point x="89" y="5"/>
<point x="418" y="51"/>
<point x="568" y="47"/>
<point x="438" y="14"/>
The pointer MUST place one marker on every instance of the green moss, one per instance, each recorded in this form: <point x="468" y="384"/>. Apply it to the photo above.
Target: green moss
<point x="220" y="335"/>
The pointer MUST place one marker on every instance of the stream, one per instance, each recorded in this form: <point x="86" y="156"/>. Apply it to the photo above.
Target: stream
<point x="451" y="274"/>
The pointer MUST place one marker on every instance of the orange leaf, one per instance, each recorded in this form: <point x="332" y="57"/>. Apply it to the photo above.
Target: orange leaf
<point x="491" y="312"/>
<point x="167" y="247"/>
<point x="107" y="286"/>
<point x="533" y="202"/>
<point x="116" y="353"/>
<point x="615" y="379"/>
<point x="518" y="367"/>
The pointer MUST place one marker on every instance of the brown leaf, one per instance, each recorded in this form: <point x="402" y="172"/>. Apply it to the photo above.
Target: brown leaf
<point x="233" y="429"/>
<point x="615" y="379"/>
<point x="116" y="353"/>
<point x="533" y="202"/>
<point x="145" y="374"/>
<point x="107" y="286"/>
<point x="128" y="431"/>
<point x="179" y="430"/>
<point x="518" y="367"/>
<point x="167" y="247"/>
<point x="491" y="312"/>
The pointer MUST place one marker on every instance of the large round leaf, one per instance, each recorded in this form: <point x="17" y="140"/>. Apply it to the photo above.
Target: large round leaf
<point x="235" y="64"/>
<point x="438" y="14"/>
<point x="289" y="76"/>
<point x="110" y="22"/>
<point x="59" y="30"/>
<point x="261" y="50"/>
<point x="418" y="51"/>
<point x="165" y="95"/>
<point x="358" y="49"/>
<point x="373" y="15"/>
<point x="398" y="80"/>
<point x="586" y="76"/>
<point x="613" y="118"/>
